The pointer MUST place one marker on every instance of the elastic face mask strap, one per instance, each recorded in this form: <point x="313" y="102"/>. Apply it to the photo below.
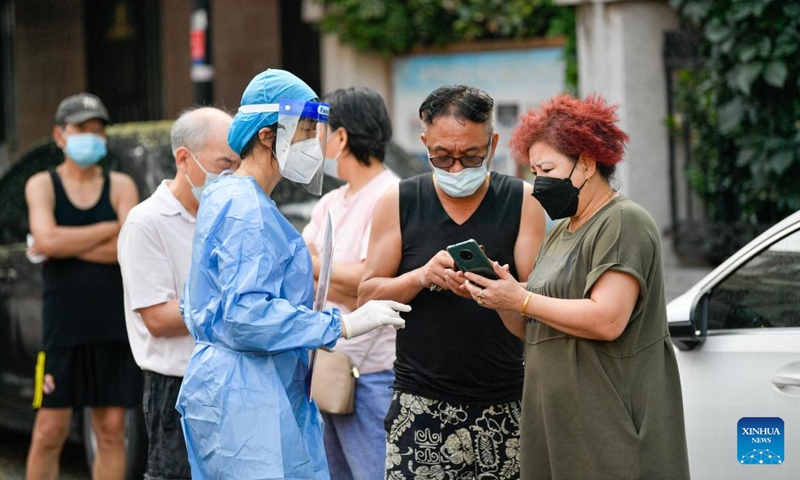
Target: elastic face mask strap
<point x="65" y="137"/>
<point x="573" y="169"/>
<point x="188" y="179"/>
<point x="570" y="176"/>
<point x="198" y="162"/>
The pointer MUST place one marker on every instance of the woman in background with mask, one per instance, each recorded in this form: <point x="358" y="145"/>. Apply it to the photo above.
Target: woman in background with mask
<point x="602" y="394"/>
<point x="244" y="401"/>
<point x="358" y="131"/>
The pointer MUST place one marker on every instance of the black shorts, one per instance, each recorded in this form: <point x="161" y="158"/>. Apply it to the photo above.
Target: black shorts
<point x="94" y="375"/>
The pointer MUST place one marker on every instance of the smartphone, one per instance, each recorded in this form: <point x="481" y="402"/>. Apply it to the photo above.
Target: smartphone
<point x="469" y="257"/>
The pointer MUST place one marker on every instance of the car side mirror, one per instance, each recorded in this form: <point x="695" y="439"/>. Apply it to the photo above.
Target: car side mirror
<point x="689" y="334"/>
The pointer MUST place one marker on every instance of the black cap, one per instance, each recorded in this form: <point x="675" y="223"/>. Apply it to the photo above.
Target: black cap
<point x="79" y="108"/>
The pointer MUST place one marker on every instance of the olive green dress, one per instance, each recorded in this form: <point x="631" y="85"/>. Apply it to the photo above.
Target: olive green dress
<point x="603" y="409"/>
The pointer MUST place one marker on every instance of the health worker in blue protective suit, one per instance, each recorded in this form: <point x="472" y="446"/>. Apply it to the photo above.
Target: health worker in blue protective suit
<point x="247" y="301"/>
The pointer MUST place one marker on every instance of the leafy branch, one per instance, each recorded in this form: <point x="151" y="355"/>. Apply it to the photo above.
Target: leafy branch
<point x="393" y="27"/>
<point x="744" y="106"/>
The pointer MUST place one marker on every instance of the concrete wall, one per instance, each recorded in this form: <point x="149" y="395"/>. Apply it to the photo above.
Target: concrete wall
<point x="343" y="66"/>
<point x="620" y="57"/>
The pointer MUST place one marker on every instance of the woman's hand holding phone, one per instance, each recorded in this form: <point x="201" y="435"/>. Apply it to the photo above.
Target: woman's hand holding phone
<point x="505" y="293"/>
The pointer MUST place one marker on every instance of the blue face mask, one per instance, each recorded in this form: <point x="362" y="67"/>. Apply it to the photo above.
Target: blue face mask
<point x="210" y="177"/>
<point x="85" y="149"/>
<point x="461" y="184"/>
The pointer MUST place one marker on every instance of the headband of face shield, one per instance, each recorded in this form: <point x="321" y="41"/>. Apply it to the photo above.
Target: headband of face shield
<point x="300" y="140"/>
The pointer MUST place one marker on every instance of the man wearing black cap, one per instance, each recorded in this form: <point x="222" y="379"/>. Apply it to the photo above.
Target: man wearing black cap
<point x="75" y="211"/>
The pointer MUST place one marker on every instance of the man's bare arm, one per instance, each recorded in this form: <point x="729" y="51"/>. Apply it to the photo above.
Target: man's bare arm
<point x="105" y="253"/>
<point x="526" y="248"/>
<point x="164" y="319"/>
<point x="384" y="256"/>
<point x="514" y="322"/>
<point x="54" y="240"/>
<point x="124" y="196"/>
<point x="530" y="236"/>
<point x="348" y="300"/>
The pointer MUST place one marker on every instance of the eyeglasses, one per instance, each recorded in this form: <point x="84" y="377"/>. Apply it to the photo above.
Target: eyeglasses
<point x="467" y="161"/>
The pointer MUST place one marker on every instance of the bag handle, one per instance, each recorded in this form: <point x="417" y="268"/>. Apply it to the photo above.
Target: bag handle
<point x="357" y="366"/>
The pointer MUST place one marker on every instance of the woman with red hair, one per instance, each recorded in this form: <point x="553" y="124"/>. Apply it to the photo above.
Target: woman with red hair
<point x="602" y="395"/>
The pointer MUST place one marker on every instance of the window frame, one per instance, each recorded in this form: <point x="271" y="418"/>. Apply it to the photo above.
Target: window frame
<point x="743" y="262"/>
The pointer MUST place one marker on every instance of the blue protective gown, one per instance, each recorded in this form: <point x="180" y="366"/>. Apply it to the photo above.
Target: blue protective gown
<point x="247" y="302"/>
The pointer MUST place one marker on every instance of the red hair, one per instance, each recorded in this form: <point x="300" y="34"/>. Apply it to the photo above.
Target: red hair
<point x="573" y="127"/>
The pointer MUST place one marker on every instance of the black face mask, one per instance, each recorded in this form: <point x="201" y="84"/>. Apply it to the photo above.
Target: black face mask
<point x="558" y="196"/>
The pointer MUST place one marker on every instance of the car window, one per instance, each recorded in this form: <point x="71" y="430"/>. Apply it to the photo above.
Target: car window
<point x="13" y="209"/>
<point x="762" y="293"/>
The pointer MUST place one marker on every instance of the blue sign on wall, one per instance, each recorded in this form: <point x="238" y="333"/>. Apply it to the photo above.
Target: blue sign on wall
<point x="517" y="79"/>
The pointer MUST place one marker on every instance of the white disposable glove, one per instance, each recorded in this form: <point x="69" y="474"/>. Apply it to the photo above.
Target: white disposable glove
<point x="372" y="315"/>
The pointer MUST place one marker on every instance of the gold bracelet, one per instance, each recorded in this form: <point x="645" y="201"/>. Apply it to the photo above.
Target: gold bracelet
<point x="525" y="304"/>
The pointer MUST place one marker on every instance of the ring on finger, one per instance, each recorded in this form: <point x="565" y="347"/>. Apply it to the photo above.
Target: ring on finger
<point x="480" y="294"/>
<point x="479" y="302"/>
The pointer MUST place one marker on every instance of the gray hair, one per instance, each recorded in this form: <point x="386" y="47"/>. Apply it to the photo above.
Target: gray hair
<point x="189" y="130"/>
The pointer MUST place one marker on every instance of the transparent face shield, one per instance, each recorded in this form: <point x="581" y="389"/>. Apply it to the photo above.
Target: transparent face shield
<point x="300" y="141"/>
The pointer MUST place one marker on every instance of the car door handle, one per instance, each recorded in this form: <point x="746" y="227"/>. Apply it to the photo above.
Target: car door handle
<point x="786" y="379"/>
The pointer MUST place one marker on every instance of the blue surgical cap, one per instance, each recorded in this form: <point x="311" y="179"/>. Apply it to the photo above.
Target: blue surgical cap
<point x="269" y="86"/>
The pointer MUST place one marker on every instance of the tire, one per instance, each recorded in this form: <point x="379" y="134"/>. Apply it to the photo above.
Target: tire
<point x="135" y="442"/>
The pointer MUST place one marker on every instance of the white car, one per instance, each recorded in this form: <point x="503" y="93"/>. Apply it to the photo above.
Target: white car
<point x="737" y="339"/>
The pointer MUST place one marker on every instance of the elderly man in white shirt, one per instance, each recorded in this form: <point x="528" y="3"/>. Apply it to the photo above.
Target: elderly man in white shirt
<point x="154" y="250"/>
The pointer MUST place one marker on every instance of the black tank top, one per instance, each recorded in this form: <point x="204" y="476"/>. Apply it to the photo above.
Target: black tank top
<point x="83" y="301"/>
<point x="453" y="349"/>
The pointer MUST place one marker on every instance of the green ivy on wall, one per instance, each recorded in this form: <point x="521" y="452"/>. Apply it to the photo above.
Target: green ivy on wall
<point x="743" y="104"/>
<point x="393" y="27"/>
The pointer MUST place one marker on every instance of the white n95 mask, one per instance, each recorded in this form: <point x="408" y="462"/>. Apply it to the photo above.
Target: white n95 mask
<point x="303" y="161"/>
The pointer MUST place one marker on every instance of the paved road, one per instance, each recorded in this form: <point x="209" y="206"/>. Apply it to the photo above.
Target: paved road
<point x="679" y="277"/>
<point x="14" y="449"/>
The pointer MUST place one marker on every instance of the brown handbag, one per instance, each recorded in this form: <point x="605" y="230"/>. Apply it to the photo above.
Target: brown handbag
<point x="333" y="384"/>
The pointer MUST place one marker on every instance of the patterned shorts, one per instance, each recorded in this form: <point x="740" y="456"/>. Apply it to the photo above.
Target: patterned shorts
<point x="435" y="440"/>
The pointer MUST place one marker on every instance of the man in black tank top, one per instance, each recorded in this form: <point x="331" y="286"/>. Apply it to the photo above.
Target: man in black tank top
<point x="75" y="212"/>
<point x="459" y="371"/>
